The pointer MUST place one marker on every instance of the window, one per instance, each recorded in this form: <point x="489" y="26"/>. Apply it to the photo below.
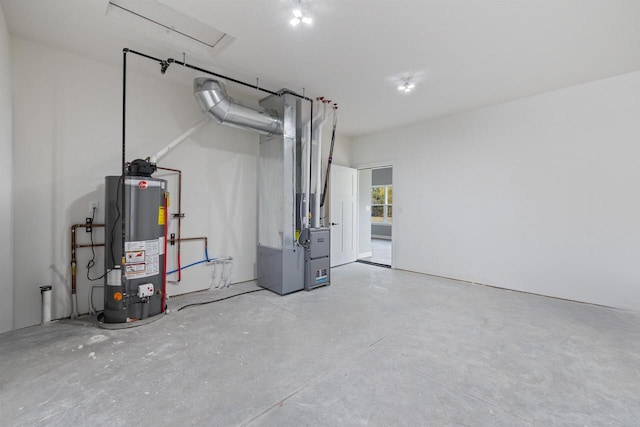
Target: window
<point x="381" y="204"/>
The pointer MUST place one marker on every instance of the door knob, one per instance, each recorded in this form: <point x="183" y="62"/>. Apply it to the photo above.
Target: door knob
<point x="335" y="223"/>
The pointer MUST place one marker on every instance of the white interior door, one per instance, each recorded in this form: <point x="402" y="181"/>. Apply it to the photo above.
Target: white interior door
<point x="344" y="192"/>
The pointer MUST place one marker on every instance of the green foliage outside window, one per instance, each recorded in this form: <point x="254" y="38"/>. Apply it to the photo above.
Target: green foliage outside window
<point x="381" y="201"/>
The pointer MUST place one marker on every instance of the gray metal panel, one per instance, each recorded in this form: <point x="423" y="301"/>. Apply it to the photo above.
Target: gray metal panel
<point x="270" y="269"/>
<point x="318" y="273"/>
<point x="280" y="259"/>
<point x="281" y="271"/>
<point x="293" y="270"/>
<point x="270" y="192"/>
<point x="277" y="177"/>
<point x="319" y="241"/>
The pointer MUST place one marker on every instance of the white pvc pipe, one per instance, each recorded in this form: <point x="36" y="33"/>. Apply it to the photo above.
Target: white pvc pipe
<point x="173" y="144"/>
<point x="45" y="291"/>
<point x="306" y="142"/>
<point x="74" y="306"/>
<point x="316" y="137"/>
<point x="227" y="281"/>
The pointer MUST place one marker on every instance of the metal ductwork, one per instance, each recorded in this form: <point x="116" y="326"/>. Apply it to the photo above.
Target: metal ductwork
<point x="215" y="103"/>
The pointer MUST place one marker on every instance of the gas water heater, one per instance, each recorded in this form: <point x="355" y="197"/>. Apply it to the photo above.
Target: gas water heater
<point x="135" y="285"/>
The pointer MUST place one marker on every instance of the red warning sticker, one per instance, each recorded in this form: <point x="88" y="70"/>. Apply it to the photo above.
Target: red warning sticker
<point x="135" y="256"/>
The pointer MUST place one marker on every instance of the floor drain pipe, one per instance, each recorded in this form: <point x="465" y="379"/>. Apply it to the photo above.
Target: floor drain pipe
<point x="45" y="292"/>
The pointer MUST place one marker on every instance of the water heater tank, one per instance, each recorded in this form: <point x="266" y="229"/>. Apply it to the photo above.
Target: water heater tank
<point x="135" y="288"/>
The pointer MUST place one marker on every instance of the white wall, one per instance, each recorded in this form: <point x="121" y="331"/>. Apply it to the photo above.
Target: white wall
<point x="539" y="194"/>
<point x="68" y="137"/>
<point x="6" y="189"/>
<point x="341" y="149"/>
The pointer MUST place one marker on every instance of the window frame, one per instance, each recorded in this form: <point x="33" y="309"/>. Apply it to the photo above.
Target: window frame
<point x="385" y="205"/>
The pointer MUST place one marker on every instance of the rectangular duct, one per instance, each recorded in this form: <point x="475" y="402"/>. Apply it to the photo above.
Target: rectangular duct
<point x="280" y="257"/>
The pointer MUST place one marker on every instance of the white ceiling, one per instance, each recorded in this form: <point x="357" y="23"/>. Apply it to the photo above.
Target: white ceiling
<point x="465" y="54"/>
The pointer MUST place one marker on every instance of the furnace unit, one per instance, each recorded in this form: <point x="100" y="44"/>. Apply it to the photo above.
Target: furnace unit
<point x="291" y="255"/>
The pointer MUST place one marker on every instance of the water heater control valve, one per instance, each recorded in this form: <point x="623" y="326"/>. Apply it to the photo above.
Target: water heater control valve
<point x="145" y="290"/>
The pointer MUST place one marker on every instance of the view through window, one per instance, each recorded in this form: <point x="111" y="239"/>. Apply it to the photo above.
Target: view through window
<point x="381" y="204"/>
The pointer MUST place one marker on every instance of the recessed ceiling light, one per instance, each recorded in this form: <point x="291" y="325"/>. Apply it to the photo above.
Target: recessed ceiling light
<point x="406" y="85"/>
<point x="299" y="16"/>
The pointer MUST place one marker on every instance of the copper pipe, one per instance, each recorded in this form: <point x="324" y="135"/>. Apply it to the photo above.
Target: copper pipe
<point x="93" y="224"/>
<point x="184" y="239"/>
<point x="75" y="246"/>
<point x="179" y="172"/>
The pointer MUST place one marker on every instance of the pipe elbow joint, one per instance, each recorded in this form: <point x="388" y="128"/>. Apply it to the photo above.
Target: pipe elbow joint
<point x="213" y="100"/>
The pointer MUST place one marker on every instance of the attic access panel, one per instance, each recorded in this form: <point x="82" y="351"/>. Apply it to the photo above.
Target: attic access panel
<point x="163" y="23"/>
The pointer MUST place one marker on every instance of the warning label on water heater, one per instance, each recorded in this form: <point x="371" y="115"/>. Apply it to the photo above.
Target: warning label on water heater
<point x="142" y="259"/>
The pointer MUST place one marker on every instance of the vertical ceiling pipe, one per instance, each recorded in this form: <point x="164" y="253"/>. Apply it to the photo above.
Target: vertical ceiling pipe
<point x="316" y="137"/>
<point x="308" y="147"/>
<point x="330" y="160"/>
<point x="123" y="269"/>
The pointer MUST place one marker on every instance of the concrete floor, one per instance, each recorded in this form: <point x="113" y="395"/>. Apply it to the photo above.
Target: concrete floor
<point x="378" y="347"/>
<point x="380" y="252"/>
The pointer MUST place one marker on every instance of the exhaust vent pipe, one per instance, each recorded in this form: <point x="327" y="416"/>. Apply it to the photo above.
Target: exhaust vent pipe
<point x="215" y="103"/>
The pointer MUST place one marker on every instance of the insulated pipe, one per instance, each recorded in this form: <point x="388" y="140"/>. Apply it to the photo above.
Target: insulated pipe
<point x="215" y="103"/>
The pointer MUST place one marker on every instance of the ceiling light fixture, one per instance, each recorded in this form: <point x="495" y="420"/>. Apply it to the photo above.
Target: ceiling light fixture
<point x="299" y="17"/>
<point x="407" y="85"/>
